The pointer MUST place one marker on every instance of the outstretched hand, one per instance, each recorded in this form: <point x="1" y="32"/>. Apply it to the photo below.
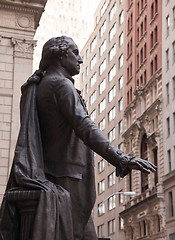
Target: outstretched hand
<point x="135" y="163"/>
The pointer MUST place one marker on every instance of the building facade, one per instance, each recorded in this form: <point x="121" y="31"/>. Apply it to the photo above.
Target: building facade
<point x="144" y="215"/>
<point x="101" y="83"/>
<point x="18" y="23"/>
<point x="168" y="92"/>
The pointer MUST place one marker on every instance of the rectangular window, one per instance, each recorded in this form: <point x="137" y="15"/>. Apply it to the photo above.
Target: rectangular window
<point x="174" y="52"/>
<point x="112" y="32"/>
<point x="120" y="104"/>
<point x="121" y="39"/>
<point x="82" y="77"/>
<point x="102" y="67"/>
<point x="102" y="124"/>
<point x="174" y="121"/>
<point x="171" y="207"/>
<point x="112" y="94"/>
<point x="103" y="29"/>
<point x="93" y="115"/>
<point x="172" y="236"/>
<point x="111" y="135"/>
<point x="120" y="198"/>
<point x="120" y="83"/>
<point x="173" y="17"/>
<point x="101" y="209"/>
<point x="111" y="179"/>
<point x="173" y="87"/>
<point x="121" y="17"/>
<point x="102" y="105"/>
<point x="167" y="94"/>
<point x="102" y="48"/>
<point x="87" y="53"/>
<point x="111" y="227"/>
<point x="112" y="73"/>
<point x="101" y="186"/>
<point x="112" y="52"/>
<point x="111" y="114"/>
<point x="86" y="71"/>
<point x="93" y="62"/>
<point x="167" y="25"/>
<point x="93" y="98"/>
<point x="100" y="230"/>
<point x="112" y="12"/>
<point x="121" y="61"/>
<point x="120" y="127"/>
<point x="111" y="202"/>
<point x="102" y="86"/>
<point x="121" y="223"/>
<point x="103" y="9"/>
<point x="168" y="126"/>
<point x="93" y="44"/>
<point x="101" y="166"/>
<point x="93" y="80"/>
<point x="169" y="159"/>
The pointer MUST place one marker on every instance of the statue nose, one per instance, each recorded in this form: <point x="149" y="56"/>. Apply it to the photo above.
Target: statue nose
<point x="80" y="61"/>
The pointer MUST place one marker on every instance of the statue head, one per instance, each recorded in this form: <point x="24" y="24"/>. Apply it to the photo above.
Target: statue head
<point x="58" y="49"/>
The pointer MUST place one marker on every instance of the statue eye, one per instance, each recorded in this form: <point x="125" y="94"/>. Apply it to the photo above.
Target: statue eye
<point x="76" y="52"/>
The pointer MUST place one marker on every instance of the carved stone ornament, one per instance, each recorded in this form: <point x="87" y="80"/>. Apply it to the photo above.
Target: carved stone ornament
<point x="23" y="48"/>
<point x="24" y="21"/>
<point x="138" y="91"/>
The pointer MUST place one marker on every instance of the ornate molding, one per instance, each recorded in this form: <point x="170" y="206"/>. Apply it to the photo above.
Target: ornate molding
<point x="24" y="21"/>
<point x="23" y="48"/>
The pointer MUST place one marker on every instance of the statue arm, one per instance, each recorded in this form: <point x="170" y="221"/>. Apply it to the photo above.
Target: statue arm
<point x="69" y="103"/>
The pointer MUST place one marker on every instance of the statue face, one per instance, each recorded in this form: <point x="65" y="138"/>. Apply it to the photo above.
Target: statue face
<point x="72" y="60"/>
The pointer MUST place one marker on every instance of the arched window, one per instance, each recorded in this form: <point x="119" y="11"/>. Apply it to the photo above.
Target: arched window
<point x="144" y="176"/>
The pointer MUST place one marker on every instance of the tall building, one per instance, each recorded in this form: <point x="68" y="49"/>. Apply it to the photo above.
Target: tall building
<point x="18" y="23"/>
<point x="168" y="92"/>
<point x="70" y="18"/>
<point x="144" y="215"/>
<point x="101" y="83"/>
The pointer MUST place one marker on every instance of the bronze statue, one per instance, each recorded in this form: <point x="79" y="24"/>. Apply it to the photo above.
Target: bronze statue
<point x="59" y="138"/>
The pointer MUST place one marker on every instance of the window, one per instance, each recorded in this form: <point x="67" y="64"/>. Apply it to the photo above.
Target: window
<point x="92" y="98"/>
<point x="120" y="127"/>
<point x="102" y="48"/>
<point x="100" y="230"/>
<point x="103" y="29"/>
<point x="111" y="94"/>
<point x="174" y="121"/>
<point x="112" y="32"/>
<point x="111" y="179"/>
<point x="102" y="67"/>
<point x="138" y="36"/>
<point x="112" y="202"/>
<point x="101" y="209"/>
<point x="152" y="70"/>
<point x="121" y="61"/>
<point x="171" y="209"/>
<point x="174" y="17"/>
<point x="101" y="166"/>
<point x="112" y="73"/>
<point x="93" y="44"/>
<point x="102" y="105"/>
<point x="156" y="6"/>
<point x="155" y="63"/>
<point x="120" y="198"/>
<point x="82" y="77"/>
<point x="112" y="12"/>
<point x="120" y="104"/>
<point x="111" y="135"/>
<point x="111" y="227"/>
<point x="173" y="87"/>
<point x="93" y="62"/>
<point x="152" y="40"/>
<point x="101" y="186"/>
<point x="121" y="39"/>
<point x="87" y="52"/>
<point x="155" y="33"/>
<point x="102" y="124"/>
<point x="172" y="236"/>
<point x="111" y="114"/>
<point x="86" y="71"/>
<point x="174" y="52"/>
<point x="167" y="94"/>
<point x="112" y="52"/>
<point x="152" y="10"/>
<point x="102" y="86"/>
<point x="141" y="26"/>
<point x="121" y="223"/>
<point x="120" y="82"/>
<point x="121" y="17"/>
<point x="168" y="126"/>
<point x="167" y="25"/>
<point x="169" y="159"/>
<point x="93" y="80"/>
<point x="103" y="9"/>
<point x="93" y="115"/>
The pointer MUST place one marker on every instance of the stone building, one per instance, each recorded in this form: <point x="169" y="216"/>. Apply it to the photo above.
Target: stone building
<point x="144" y="215"/>
<point x="18" y="23"/>
<point x="168" y="92"/>
<point x="101" y="84"/>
